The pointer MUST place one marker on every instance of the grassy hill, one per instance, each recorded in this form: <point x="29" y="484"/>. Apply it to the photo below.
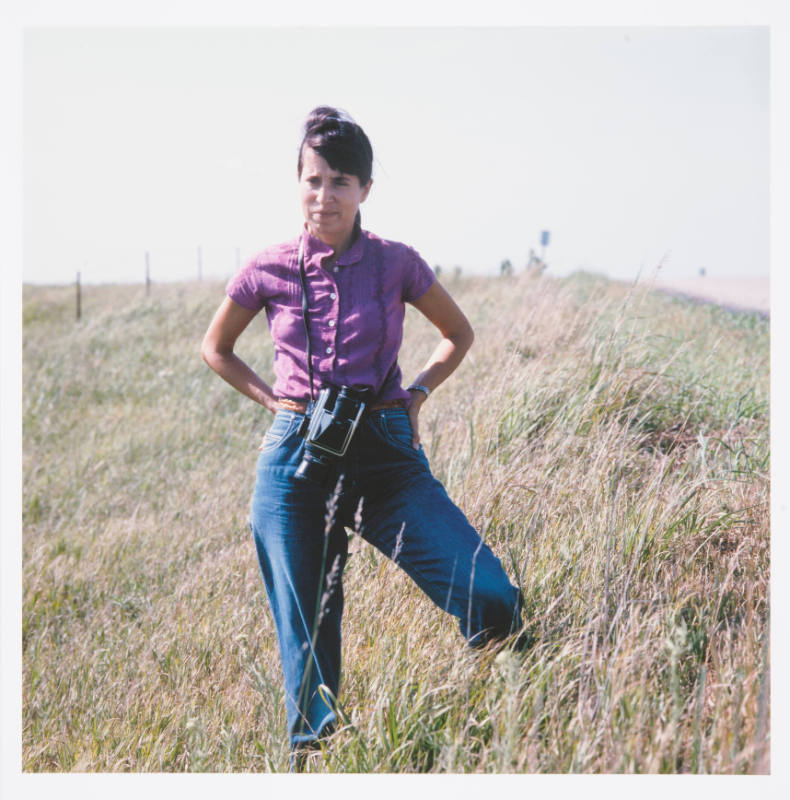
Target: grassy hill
<point x="612" y="446"/>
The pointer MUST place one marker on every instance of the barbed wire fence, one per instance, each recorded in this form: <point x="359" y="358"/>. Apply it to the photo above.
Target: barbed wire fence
<point x="224" y="262"/>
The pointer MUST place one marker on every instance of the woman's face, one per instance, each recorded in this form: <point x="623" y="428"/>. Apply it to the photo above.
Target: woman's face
<point x="330" y="200"/>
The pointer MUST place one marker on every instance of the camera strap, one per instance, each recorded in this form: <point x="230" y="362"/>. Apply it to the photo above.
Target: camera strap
<point x="305" y="309"/>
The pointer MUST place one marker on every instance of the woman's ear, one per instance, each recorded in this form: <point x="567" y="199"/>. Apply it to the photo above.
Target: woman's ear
<point x="366" y="190"/>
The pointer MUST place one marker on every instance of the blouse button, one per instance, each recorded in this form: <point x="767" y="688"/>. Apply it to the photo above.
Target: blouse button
<point x="328" y="349"/>
<point x="331" y="323"/>
<point x="333" y="296"/>
<point x="335" y="269"/>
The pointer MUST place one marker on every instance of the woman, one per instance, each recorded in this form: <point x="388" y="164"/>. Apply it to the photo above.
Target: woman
<point x="354" y="285"/>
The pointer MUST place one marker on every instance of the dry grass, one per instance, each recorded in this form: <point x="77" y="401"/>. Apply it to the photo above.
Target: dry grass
<point x="612" y="447"/>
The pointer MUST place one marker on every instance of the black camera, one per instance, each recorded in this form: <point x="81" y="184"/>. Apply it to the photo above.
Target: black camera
<point x="328" y="428"/>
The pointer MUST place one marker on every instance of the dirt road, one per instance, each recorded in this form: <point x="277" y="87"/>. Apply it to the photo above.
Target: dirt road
<point x="748" y="294"/>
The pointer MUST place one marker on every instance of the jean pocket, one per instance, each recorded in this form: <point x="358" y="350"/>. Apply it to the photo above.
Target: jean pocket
<point x="397" y="431"/>
<point x="282" y="426"/>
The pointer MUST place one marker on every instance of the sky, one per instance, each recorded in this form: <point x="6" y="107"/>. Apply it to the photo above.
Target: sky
<point x="634" y="146"/>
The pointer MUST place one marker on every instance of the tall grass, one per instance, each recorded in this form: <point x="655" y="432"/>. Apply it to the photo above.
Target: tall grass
<point x="611" y="445"/>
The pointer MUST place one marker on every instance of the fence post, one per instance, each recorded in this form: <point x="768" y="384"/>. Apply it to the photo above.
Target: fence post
<point x="79" y="298"/>
<point x="147" y="275"/>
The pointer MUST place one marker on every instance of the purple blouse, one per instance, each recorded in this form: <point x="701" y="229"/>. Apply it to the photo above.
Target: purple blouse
<point x="356" y="311"/>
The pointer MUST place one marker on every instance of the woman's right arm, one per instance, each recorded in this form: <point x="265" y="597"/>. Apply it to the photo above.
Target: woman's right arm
<point x="217" y="350"/>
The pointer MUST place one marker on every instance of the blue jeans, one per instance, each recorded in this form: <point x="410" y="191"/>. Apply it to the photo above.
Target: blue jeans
<point x="390" y="498"/>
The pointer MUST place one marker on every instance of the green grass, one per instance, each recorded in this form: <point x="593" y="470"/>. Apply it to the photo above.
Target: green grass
<point x="611" y="445"/>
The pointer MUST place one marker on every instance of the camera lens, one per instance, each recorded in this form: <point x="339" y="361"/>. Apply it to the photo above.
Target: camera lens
<point x="314" y="467"/>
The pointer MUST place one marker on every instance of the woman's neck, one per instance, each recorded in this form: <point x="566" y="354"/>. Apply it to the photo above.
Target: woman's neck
<point x="339" y="245"/>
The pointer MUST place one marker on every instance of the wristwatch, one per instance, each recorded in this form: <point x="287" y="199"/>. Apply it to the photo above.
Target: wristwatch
<point x="420" y="388"/>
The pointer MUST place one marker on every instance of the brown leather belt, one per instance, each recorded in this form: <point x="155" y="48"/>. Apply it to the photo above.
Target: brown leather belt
<point x="301" y="407"/>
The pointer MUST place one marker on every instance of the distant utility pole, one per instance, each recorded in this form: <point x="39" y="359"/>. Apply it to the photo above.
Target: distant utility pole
<point x="200" y="263"/>
<point x="79" y="298"/>
<point x="147" y="274"/>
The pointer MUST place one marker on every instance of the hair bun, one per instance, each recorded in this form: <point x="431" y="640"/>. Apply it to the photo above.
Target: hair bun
<point x="326" y="117"/>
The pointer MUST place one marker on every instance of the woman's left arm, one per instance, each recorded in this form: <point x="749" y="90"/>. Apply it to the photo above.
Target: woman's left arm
<point x="457" y="337"/>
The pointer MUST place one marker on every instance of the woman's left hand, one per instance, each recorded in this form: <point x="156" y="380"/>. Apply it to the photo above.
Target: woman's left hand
<point x="417" y="399"/>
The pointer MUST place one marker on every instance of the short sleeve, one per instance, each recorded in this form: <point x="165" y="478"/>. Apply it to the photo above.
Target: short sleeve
<point x="245" y="287"/>
<point x="418" y="276"/>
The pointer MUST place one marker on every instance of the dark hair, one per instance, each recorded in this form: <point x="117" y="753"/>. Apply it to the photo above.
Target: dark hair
<point x="335" y="136"/>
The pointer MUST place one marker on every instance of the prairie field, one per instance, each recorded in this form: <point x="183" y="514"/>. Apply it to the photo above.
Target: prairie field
<point x="610" y="443"/>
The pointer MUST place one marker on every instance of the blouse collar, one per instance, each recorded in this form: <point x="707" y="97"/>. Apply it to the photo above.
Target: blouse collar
<point x="315" y="248"/>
